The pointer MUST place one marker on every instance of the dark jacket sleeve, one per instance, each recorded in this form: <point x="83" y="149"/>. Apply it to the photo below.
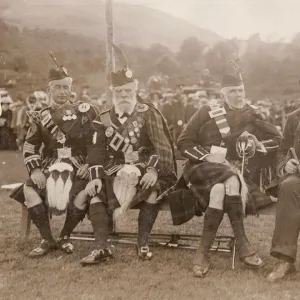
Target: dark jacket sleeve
<point x="268" y="135"/>
<point x="96" y="149"/>
<point x="31" y="148"/>
<point x="162" y="159"/>
<point x="188" y="143"/>
<point x="286" y="143"/>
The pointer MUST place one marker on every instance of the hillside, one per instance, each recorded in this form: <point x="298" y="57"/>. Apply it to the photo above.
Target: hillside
<point x="134" y="25"/>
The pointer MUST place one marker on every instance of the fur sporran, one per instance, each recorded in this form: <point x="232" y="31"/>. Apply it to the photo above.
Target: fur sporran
<point x="58" y="187"/>
<point x="124" y="187"/>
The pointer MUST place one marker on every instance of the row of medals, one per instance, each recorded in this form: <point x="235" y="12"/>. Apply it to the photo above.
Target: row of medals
<point x="131" y="133"/>
<point x="68" y="116"/>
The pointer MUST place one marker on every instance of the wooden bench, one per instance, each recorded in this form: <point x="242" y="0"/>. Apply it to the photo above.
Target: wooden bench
<point x="222" y="243"/>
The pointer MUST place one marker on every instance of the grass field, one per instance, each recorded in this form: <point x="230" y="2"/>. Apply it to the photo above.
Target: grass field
<point x="168" y="276"/>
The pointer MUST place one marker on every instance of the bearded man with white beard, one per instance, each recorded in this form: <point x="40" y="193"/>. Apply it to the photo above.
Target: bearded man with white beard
<point x="58" y="153"/>
<point x="140" y="165"/>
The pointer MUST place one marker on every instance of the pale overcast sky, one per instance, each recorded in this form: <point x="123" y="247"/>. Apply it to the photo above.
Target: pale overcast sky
<point x="274" y="19"/>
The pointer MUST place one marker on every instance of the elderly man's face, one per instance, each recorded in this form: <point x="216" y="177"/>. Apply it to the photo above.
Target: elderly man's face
<point x="60" y="90"/>
<point x="235" y="96"/>
<point x="124" y="97"/>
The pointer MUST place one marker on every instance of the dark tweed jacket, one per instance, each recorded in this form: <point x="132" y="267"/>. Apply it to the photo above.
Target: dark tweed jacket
<point x="194" y="143"/>
<point x="291" y="138"/>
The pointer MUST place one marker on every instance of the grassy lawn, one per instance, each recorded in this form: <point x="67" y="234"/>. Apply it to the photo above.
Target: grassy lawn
<point x="167" y="276"/>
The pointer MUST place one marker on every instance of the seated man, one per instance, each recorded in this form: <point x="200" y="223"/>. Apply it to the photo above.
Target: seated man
<point x="215" y="141"/>
<point x="58" y="174"/>
<point x="287" y="225"/>
<point x="140" y="165"/>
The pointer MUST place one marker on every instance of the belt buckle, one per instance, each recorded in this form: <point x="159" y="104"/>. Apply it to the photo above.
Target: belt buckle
<point x="116" y="142"/>
<point x="64" y="152"/>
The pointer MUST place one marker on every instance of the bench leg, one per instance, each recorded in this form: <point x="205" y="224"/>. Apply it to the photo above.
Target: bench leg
<point x="25" y="224"/>
<point x="233" y="256"/>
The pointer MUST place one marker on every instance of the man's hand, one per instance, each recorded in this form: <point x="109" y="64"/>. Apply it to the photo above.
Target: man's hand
<point x="38" y="178"/>
<point x="93" y="187"/>
<point x="247" y="134"/>
<point x="291" y="166"/>
<point x="149" y="179"/>
<point x="215" y="158"/>
<point x="82" y="172"/>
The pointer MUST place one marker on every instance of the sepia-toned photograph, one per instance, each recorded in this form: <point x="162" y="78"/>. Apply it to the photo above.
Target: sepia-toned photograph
<point x="149" y="149"/>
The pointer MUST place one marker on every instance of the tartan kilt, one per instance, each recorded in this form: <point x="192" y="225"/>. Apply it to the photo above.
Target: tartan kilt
<point x="78" y="184"/>
<point x="109" y="199"/>
<point x="18" y="193"/>
<point x="185" y="203"/>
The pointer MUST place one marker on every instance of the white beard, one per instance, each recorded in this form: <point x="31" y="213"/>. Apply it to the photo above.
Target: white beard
<point x="124" y="108"/>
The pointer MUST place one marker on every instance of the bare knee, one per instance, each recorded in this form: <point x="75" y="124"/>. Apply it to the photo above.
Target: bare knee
<point x="216" y="197"/>
<point x="232" y="186"/>
<point x="32" y="198"/>
<point x="81" y="200"/>
<point x="95" y="200"/>
<point x="152" y="198"/>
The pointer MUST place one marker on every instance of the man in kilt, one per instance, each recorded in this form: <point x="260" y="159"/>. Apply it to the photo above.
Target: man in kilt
<point x="57" y="153"/>
<point x="287" y="188"/>
<point x="139" y="166"/>
<point x="211" y="182"/>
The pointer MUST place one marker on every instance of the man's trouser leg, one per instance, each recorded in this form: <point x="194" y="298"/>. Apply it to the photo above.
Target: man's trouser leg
<point x="287" y="224"/>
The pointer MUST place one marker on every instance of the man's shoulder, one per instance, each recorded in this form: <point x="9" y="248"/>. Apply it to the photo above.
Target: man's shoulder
<point x="142" y="107"/>
<point x="105" y="112"/>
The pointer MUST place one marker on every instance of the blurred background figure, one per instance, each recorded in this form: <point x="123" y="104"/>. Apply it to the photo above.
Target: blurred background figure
<point x="35" y="101"/>
<point x="206" y="80"/>
<point x="7" y="135"/>
<point x="156" y="99"/>
<point x="103" y="103"/>
<point x="85" y="94"/>
<point x="73" y="97"/>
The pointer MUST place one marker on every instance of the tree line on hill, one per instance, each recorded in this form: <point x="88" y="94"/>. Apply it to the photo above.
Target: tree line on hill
<point x="270" y="69"/>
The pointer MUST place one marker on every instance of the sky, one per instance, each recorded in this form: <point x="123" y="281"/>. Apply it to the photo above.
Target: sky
<point x="273" y="19"/>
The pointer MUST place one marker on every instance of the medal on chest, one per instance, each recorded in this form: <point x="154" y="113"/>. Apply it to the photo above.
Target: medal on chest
<point x="129" y="136"/>
<point x="69" y="115"/>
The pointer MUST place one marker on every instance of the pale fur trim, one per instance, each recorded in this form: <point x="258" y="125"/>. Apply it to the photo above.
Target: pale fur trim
<point x="58" y="192"/>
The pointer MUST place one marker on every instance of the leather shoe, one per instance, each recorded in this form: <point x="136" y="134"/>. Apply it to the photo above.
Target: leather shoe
<point x="201" y="264"/>
<point x="97" y="256"/>
<point x="201" y="271"/>
<point x="253" y="261"/>
<point x="65" y="245"/>
<point x="144" y="252"/>
<point x="281" y="271"/>
<point x="44" y="248"/>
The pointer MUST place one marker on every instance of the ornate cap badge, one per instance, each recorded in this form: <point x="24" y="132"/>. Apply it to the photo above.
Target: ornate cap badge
<point x="84" y="107"/>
